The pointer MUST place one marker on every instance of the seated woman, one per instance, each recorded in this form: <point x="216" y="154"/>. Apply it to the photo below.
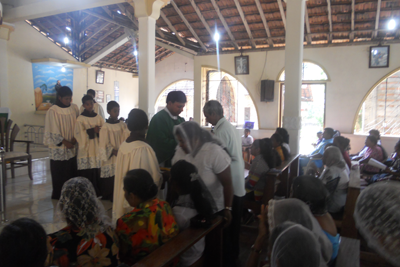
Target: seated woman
<point x="360" y="154"/>
<point x="23" y="243"/>
<point x="392" y="172"/>
<point x="343" y="144"/>
<point x="149" y="225"/>
<point x="374" y="151"/>
<point x="313" y="192"/>
<point x="88" y="238"/>
<point x="277" y="144"/>
<point x="264" y="161"/>
<point x="192" y="201"/>
<point x="285" y="137"/>
<point x="199" y="147"/>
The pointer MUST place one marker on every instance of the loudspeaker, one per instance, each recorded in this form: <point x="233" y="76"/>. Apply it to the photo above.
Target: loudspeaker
<point x="267" y="90"/>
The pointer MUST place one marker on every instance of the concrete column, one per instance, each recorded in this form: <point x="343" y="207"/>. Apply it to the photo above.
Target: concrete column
<point x="293" y="70"/>
<point x="147" y="12"/>
<point x="5" y="32"/>
<point x="198" y="109"/>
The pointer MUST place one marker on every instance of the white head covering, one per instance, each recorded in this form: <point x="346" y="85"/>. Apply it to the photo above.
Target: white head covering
<point x="296" y="211"/>
<point x="377" y="216"/>
<point x="294" y="244"/>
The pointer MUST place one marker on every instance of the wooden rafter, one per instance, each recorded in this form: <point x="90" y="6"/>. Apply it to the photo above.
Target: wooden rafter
<point x="188" y="25"/>
<point x="55" y="26"/>
<point x="162" y="53"/>
<point x="96" y="32"/>
<point x="42" y="27"/>
<point x="108" y="19"/>
<point x="264" y="20"/>
<point x="352" y="20"/>
<point x="282" y="13"/>
<point x="99" y="40"/>
<point x="222" y="19"/>
<point x="330" y="20"/>
<point x="307" y="19"/>
<point x="114" y="64"/>
<point x="198" y="12"/>
<point x="87" y="26"/>
<point x="120" y="53"/>
<point x="246" y="25"/>
<point x="171" y="27"/>
<point x="165" y="56"/>
<point x="378" y="14"/>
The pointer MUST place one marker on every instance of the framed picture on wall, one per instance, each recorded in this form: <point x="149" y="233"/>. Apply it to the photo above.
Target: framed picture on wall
<point x="241" y="65"/>
<point x="108" y="98"/>
<point x="100" y="76"/>
<point x="99" y="96"/>
<point x="379" y="56"/>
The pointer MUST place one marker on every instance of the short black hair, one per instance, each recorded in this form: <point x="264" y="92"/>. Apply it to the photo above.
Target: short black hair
<point x="284" y="133"/>
<point x="140" y="183"/>
<point x="86" y="98"/>
<point x="137" y="120"/>
<point x="176" y="96"/>
<point x="373" y="139"/>
<point x="247" y="130"/>
<point x="330" y="131"/>
<point x="376" y="133"/>
<point x="64" y="91"/>
<point x="23" y="243"/>
<point x="111" y="105"/>
<point x="91" y="91"/>
<point x="313" y="192"/>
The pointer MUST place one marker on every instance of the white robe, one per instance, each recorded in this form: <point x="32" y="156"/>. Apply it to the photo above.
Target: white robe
<point x="60" y="125"/>
<point x="88" y="152"/>
<point x="96" y="108"/>
<point x="111" y="137"/>
<point x="134" y="155"/>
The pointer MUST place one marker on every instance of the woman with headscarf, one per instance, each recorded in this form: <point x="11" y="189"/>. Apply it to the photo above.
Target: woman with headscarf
<point x="199" y="147"/>
<point x="343" y="144"/>
<point x="335" y="168"/>
<point x="134" y="153"/>
<point x="88" y="239"/>
<point x="377" y="217"/>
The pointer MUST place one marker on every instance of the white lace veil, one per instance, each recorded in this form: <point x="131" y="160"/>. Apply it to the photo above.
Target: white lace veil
<point x="296" y="211"/>
<point x="377" y="216"/>
<point x="79" y="205"/>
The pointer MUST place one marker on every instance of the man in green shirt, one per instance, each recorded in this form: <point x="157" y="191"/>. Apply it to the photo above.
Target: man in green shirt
<point x="160" y="135"/>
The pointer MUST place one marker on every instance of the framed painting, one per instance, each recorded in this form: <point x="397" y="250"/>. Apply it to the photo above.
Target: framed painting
<point x="100" y="76"/>
<point x="379" y="56"/>
<point x="242" y="65"/>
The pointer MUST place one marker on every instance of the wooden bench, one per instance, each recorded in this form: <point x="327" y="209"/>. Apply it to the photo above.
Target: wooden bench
<point x="287" y="171"/>
<point x="349" y="253"/>
<point x="166" y="254"/>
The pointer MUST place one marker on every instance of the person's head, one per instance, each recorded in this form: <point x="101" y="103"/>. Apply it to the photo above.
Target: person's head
<point x="137" y="121"/>
<point x="113" y="109"/>
<point x="79" y="205"/>
<point x="139" y="187"/>
<point x="264" y="147"/>
<point x="332" y="156"/>
<point x="328" y="133"/>
<point x="291" y="245"/>
<point x="255" y="148"/>
<point x="64" y="95"/>
<point x="88" y="103"/>
<point x="276" y="140"/>
<point x="58" y="82"/>
<point x="284" y="133"/>
<point x="91" y="92"/>
<point x="23" y="243"/>
<point x="375" y="133"/>
<point x="371" y="141"/>
<point x="342" y="143"/>
<point x="319" y="135"/>
<point x="213" y="112"/>
<point x="246" y="132"/>
<point x="313" y="192"/>
<point x="176" y="101"/>
<point x="185" y="180"/>
<point x="397" y="149"/>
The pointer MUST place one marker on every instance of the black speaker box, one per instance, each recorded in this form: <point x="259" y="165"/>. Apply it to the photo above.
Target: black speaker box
<point x="267" y="90"/>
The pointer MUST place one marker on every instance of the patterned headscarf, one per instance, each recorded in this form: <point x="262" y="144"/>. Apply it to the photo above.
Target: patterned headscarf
<point x="79" y="206"/>
<point x="333" y="158"/>
<point x="377" y="216"/>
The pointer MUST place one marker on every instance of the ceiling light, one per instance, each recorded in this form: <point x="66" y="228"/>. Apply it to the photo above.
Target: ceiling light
<point x="68" y="28"/>
<point x="173" y="33"/>
<point x="392" y="24"/>
<point x="135" y="53"/>
<point x="66" y="40"/>
<point x="216" y="36"/>
<point x="119" y="12"/>
<point x="63" y="69"/>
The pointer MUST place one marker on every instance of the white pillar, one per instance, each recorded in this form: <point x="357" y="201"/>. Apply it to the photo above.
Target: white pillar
<point x="293" y="70"/>
<point x="198" y="109"/>
<point x="5" y="32"/>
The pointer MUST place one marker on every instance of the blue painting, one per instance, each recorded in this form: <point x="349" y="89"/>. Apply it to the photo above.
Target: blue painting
<point x="46" y="81"/>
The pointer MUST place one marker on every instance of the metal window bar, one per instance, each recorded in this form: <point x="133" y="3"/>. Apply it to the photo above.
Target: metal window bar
<point x="34" y="133"/>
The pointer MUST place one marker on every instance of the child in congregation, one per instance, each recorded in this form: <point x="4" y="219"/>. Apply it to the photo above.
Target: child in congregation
<point x="134" y="153"/>
<point x="192" y="201"/>
<point x="277" y="144"/>
<point x="87" y="131"/>
<point x="319" y="140"/>
<point x="96" y="107"/>
<point x="113" y="133"/>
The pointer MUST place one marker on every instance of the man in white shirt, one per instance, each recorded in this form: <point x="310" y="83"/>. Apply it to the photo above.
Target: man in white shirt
<point x="225" y="131"/>
<point x="247" y="139"/>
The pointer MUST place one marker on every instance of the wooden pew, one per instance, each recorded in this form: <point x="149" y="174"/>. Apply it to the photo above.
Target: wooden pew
<point x="166" y="254"/>
<point x="349" y="253"/>
<point x="287" y="171"/>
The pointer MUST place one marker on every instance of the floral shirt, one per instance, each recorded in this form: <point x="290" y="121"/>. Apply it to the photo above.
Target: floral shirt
<point x="144" y="229"/>
<point x="72" y="247"/>
<point x="374" y="153"/>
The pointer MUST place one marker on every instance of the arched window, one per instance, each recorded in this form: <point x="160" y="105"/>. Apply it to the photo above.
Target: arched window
<point x="310" y="72"/>
<point x="381" y="109"/>
<point x="186" y="86"/>
<point x="238" y="105"/>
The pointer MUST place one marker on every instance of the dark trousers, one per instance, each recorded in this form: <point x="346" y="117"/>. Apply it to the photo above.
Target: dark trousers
<point x="106" y="186"/>
<point x="61" y="171"/>
<point x="232" y="233"/>
<point x="93" y="175"/>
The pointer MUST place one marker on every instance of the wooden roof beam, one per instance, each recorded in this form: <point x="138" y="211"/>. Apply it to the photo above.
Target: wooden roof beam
<point x="99" y="29"/>
<point x="198" y="12"/>
<point x="162" y="58"/>
<point x="378" y="14"/>
<point x="246" y="25"/>
<point x="351" y="37"/>
<point x="172" y="28"/>
<point x="87" y="26"/>
<point x="99" y="40"/>
<point x="121" y="53"/>
<point x="307" y="20"/>
<point x="42" y="27"/>
<point x="222" y="19"/>
<point x="264" y="20"/>
<point x="330" y="20"/>
<point x="107" y="49"/>
<point x="188" y="25"/>
<point x="109" y="19"/>
<point x="282" y="13"/>
<point x="55" y="26"/>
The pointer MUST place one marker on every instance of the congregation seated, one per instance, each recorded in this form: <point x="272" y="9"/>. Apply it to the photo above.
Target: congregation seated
<point x="277" y="144"/>
<point x="23" y="243"/>
<point x="149" y="225"/>
<point x="88" y="236"/>
<point x="343" y="144"/>
<point x="374" y="151"/>
<point x="313" y="192"/>
<point x="193" y="201"/>
<point x="360" y="154"/>
<point x="285" y="137"/>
